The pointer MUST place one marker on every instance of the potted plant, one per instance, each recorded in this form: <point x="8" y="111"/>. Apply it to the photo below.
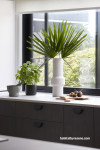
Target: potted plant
<point x="63" y="42"/>
<point x="29" y="74"/>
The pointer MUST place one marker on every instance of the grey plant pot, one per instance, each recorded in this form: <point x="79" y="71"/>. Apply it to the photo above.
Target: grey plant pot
<point x="13" y="90"/>
<point x="31" y="89"/>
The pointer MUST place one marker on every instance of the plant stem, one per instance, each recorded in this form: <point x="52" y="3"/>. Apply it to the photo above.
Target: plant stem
<point x="44" y="63"/>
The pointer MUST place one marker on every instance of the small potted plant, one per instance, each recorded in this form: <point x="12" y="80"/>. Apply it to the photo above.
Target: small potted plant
<point x="29" y="74"/>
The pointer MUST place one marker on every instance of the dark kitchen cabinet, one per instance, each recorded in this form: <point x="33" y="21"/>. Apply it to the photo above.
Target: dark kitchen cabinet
<point x="8" y="125"/>
<point x="40" y="111"/>
<point x="7" y="118"/>
<point x="7" y="108"/>
<point x="39" y="121"/>
<point x="97" y="127"/>
<point x="78" y="123"/>
<point x="49" y="122"/>
<point x="39" y="129"/>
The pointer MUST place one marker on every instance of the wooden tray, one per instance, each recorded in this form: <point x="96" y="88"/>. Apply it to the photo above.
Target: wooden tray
<point x="68" y="99"/>
<point x="79" y="98"/>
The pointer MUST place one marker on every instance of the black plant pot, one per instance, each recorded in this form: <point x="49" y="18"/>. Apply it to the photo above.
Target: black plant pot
<point x="31" y="89"/>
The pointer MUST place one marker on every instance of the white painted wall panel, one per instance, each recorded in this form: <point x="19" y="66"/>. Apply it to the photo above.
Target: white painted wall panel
<point x="7" y="43"/>
<point x="27" y="6"/>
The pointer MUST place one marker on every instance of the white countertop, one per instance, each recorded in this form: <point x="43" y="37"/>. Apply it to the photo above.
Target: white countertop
<point x="15" y="143"/>
<point x="93" y="101"/>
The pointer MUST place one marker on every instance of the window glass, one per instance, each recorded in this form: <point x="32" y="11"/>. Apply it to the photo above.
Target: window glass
<point x="38" y="24"/>
<point x="82" y="62"/>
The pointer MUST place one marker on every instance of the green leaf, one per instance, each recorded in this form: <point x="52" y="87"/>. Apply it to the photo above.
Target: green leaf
<point x="28" y="73"/>
<point x="65" y="40"/>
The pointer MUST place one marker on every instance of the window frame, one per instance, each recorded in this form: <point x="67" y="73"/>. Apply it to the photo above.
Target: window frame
<point x="86" y="91"/>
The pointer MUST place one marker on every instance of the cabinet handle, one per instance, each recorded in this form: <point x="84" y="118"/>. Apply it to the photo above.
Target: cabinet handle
<point x="38" y="124"/>
<point x="78" y="110"/>
<point x="38" y="107"/>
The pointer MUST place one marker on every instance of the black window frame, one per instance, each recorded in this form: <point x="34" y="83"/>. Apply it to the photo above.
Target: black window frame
<point x="28" y="18"/>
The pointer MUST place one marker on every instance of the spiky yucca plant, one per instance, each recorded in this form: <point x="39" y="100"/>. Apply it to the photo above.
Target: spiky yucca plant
<point x="64" y="41"/>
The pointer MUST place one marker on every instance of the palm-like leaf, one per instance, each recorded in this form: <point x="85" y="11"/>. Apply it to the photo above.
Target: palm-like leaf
<point x="65" y="40"/>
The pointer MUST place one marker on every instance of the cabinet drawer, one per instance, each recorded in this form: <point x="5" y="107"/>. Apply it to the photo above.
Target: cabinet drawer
<point x="7" y="125"/>
<point x="40" y="111"/>
<point x="78" y="122"/>
<point x="41" y="130"/>
<point x="7" y="108"/>
<point x="97" y="127"/>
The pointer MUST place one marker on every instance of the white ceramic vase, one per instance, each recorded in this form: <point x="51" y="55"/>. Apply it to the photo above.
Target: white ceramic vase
<point x="58" y="80"/>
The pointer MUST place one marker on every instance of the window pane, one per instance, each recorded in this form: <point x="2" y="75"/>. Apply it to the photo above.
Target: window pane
<point x="38" y="24"/>
<point x="80" y="68"/>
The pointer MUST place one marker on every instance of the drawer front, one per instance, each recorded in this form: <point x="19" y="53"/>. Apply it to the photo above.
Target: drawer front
<point x="97" y="127"/>
<point x="40" y="111"/>
<point x="78" y="122"/>
<point x="7" y="108"/>
<point x="41" y="130"/>
<point x="7" y="126"/>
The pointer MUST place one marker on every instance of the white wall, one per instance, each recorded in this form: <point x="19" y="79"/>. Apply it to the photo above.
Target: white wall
<point x="18" y="43"/>
<point x="27" y="6"/>
<point x="7" y="43"/>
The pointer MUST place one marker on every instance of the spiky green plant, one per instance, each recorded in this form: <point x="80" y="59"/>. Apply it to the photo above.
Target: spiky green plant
<point x="64" y="41"/>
